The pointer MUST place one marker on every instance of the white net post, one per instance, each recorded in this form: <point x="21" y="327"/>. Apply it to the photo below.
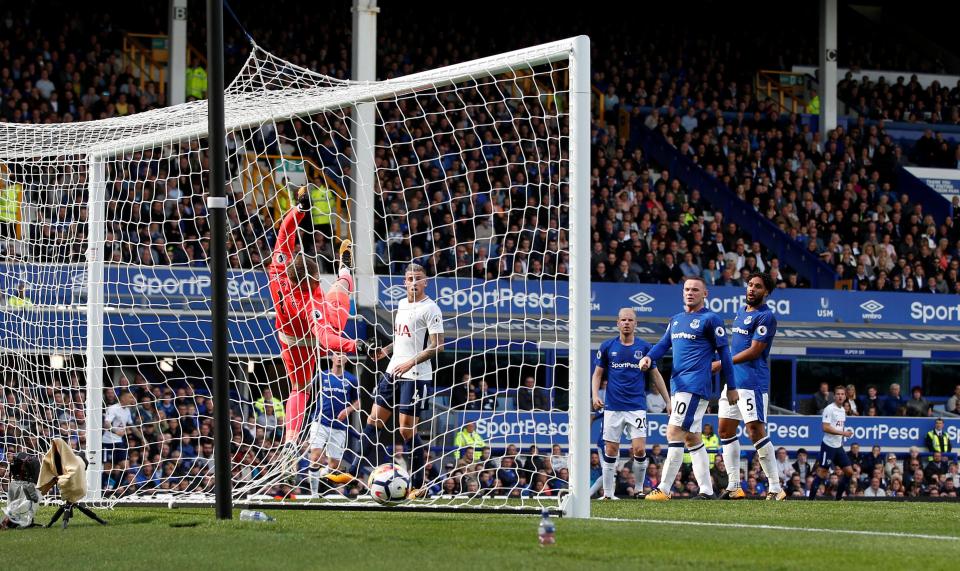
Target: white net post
<point x="96" y="180"/>
<point x="578" y="505"/>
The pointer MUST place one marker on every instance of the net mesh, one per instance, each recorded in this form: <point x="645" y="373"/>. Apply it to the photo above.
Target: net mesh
<point x="470" y="182"/>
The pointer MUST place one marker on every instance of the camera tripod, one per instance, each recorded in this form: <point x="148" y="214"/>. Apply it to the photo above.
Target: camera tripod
<point x="66" y="510"/>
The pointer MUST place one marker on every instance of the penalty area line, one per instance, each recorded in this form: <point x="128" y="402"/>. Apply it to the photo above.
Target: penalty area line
<point x="782" y="528"/>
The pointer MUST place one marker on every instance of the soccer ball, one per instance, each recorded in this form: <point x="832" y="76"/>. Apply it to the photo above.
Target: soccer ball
<point x="389" y="484"/>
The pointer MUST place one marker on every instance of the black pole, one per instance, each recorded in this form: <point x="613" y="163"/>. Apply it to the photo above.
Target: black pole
<point x="217" y="209"/>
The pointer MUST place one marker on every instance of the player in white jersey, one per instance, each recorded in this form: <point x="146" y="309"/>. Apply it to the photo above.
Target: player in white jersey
<point x="831" y="450"/>
<point x="417" y="338"/>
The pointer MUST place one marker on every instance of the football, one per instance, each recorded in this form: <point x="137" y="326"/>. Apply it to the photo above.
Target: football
<point x="389" y="484"/>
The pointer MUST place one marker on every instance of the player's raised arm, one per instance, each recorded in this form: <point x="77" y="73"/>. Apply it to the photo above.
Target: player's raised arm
<point x="287" y="233"/>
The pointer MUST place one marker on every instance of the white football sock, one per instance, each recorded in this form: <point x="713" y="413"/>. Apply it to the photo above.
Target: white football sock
<point x="768" y="463"/>
<point x="671" y="466"/>
<point x="731" y="458"/>
<point x="314" y="478"/>
<point x="640" y="471"/>
<point x="701" y="469"/>
<point x="609" y="475"/>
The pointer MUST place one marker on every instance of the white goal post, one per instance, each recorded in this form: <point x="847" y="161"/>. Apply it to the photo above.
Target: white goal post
<point x="104" y="271"/>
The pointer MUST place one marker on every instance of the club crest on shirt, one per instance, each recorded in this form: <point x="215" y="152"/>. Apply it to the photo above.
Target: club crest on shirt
<point x="694" y="324"/>
<point x="747" y="320"/>
<point x="638" y="354"/>
<point x="613" y="353"/>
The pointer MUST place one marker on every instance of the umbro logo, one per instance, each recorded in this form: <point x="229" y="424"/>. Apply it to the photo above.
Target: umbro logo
<point x="641" y="298"/>
<point x="394" y="294"/>
<point x="871" y="306"/>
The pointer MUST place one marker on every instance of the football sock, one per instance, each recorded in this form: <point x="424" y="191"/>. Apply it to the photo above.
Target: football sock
<point x="701" y="469"/>
<point x="842" y="487"/>
<point x="768" y="463"/>
<point x="671" y="466"/>
<point x="294" y="414"/>
<point x="812" y="494"/>
<point x="640" y="470"/>
<point x="596" y="486"/>
<point x="369" y="447"/>
<point x="731" y="458"/>
<point x="314" y="478"/>
<point x="416" y="461"/>
<point x="609" y="474"/>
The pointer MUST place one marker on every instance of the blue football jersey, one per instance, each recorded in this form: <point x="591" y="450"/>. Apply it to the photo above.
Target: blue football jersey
<point x="759" y="325"/>
<point x="626" y="383"/>
<point x="333" y="395"/>
<point x="696" y="338"/>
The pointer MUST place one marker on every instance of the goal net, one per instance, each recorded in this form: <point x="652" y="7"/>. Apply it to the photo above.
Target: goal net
<point x="104" y="275"/>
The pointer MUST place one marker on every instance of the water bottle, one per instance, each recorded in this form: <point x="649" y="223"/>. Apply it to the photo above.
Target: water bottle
<point x="547" y="530"/>
<point x="251" y="515"/>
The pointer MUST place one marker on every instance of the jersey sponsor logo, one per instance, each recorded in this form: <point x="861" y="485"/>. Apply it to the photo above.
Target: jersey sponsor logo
<point x="625" y="365"/>
<point x="683" y="335"/>
<point x="402" y="329"/>
<point x="719" y="331"/>
<point x="761" y="330"/>
<point x="740" y="330"/>
<point x="695" y="324"/>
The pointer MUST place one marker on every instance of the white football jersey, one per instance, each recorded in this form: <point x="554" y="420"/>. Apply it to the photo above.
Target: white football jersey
<point x="835" y="416"/>
<point x="411" y="326"/>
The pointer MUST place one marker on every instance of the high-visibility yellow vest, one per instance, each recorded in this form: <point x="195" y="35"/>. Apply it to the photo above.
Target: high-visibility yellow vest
<point x="712" y="444"/>
<point x="322" y="199"/>
<point x="466" y="439"/>
<point x="196" y="82"/>
<point x="813" y="107"/>
<point x="9" y="202"/>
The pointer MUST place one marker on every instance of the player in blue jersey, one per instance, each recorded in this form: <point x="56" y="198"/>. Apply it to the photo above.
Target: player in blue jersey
<point x="625" y="402"/>
<point x="831" y="449"/>
<point x="752" y="336"/>
<point x="696" y="335"/>
<point x="337" y="399"/>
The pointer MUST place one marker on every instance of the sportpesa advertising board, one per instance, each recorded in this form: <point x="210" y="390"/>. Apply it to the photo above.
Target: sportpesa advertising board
<point x="524" y="428"/>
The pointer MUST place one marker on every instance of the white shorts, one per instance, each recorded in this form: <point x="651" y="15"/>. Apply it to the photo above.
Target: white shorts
<point x="688" y="410"/>
<point x="615" y="422"/>
<point x="752" y="406"/>
<point x="331" y="440"/>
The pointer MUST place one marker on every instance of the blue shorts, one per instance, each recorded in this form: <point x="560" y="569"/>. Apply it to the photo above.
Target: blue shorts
<point x="830" y="455"/>
<point x="404" y="396"/>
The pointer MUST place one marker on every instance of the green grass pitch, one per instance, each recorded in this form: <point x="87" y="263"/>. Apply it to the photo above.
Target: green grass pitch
<point x="153" y="538"/>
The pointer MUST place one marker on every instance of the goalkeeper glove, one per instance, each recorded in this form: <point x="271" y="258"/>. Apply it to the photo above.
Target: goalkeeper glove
<point x="303" y="199"/>
<point x="364" y="347"/>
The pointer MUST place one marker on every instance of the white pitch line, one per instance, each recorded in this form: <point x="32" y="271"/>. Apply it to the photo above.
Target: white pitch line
<point x="782" y="528"/>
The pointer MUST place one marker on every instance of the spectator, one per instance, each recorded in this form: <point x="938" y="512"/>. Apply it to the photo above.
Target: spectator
<point x="530" y="396"/>
<point x="784" y="468"/>
<point x="953" y="403"/>
<point x="893" y="401"/>
<point x="874" y="491"/>
<point x="937" y="440"/>
<point x="918" y="406"/>
<point x="467" y="437"/>
<point x="822" y="398"/>
<point x="935" y="468"/>
<point x="872" y="398"/>
<point x="856" y="457"/>
<point x="852" y="399"/>
<point x="801" y="466"/>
